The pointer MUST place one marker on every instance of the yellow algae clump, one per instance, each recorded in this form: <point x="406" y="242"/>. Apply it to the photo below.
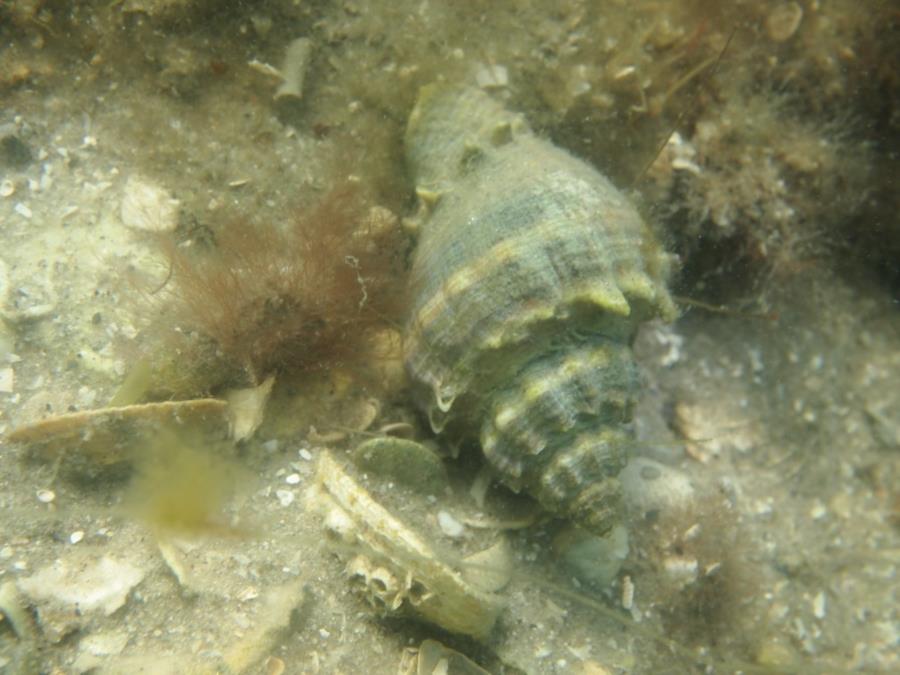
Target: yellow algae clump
<point x="183" y="488"/>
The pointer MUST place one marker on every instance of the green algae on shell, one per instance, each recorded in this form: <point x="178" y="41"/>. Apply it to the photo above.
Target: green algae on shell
<point x="410" y="463"/>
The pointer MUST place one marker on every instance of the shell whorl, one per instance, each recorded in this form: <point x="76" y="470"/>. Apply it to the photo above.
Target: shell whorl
<point x="531" y="275"/>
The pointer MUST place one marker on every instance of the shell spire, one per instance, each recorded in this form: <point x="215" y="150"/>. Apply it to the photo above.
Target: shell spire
<point x="532" y="274"/>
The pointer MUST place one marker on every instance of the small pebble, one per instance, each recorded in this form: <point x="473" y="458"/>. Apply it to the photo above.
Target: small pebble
<point x="292" y="479"/>
<point x="818" y="510"/>
<point x="46" y="496"/>
<point x="23" y="210"/>
<point x="274" y="666"/>
<point x="261" y="24"/>
<point x="7" y="187"/>
<point x="784" y="21"/>
<point x="75" y="537"/>
<point x="305" y="454"/>
<point x="286" y="497"/>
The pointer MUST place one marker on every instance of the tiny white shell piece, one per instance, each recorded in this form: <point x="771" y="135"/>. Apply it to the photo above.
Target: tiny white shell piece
<point x="491" y="76"/>
<point x="46" y="496"/>
<point x="100" y="585"/>
<point x="450" y="525"/>
<point x="246" y="408"/>
<point x="285" y="497"/>
<point x="7" y="380"/>
<point x="680" y="569"/>
<point x="293" y="69"/>
<point x="818" y="604"/>
<point x="627" y="593"/>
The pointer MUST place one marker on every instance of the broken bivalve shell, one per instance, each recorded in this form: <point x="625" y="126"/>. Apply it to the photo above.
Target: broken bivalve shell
<point x="110" y="435"/>
<point x="432" y="658"/>
<point x="393" y="566"/>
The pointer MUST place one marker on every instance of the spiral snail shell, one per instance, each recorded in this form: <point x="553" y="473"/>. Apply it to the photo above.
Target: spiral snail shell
<point x="530" y="278"/>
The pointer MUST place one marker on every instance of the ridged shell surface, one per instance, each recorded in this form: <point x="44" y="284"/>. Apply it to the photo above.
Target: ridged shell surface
<point x="530" y="278"/>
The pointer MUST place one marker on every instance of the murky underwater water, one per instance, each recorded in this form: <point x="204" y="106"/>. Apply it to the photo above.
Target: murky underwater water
<point x="214" y="457"/>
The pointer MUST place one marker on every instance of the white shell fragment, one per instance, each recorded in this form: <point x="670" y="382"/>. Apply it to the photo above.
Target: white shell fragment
<point x="101" y="586"/>
<point x="681" y="569"/>
<point x="293" y="70"/>
<point x="45" y="496"/>
<point x="450" y="525"/>
<point x="433" y="658"/>
<point x="247" y="407"/>
<point x="7" y="380"/>
<point x="818" y="605"/>
<point x="392" y="566"/>
<point x="148" y="207"/>
<point x="491" y="76"/>
<point x="282" y="606"/>
<point x="107" y="435"/>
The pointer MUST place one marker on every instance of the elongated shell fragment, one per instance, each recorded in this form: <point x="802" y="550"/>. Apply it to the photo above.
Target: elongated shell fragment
<point x="530" y="277"/>
<point x="393" y="566"/>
